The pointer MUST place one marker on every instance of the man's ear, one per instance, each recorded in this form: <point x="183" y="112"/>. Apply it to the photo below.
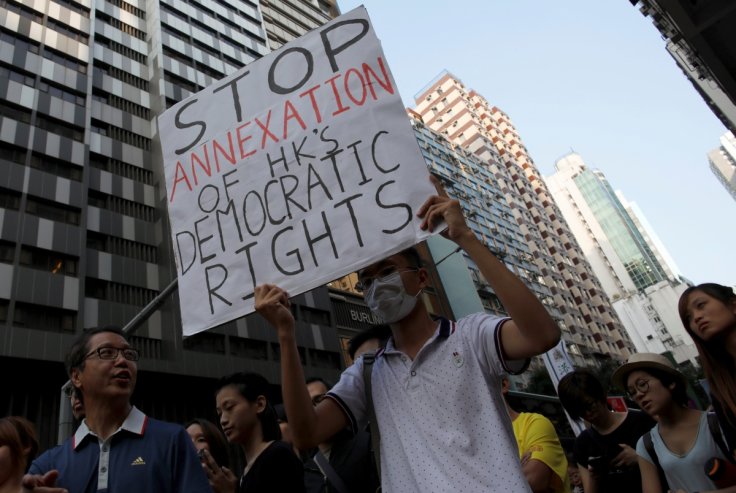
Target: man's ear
<point x="75" y="377"/>
<point x="423" y="274"/>
<point x="261" y="404"/>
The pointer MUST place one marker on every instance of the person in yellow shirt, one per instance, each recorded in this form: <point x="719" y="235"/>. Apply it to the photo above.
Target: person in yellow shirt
<point x="542" y="458"/>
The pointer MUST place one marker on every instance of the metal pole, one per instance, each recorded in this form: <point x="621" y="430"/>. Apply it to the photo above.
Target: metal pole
<point x="66" y="420"/>
<point x="147" y="310"/>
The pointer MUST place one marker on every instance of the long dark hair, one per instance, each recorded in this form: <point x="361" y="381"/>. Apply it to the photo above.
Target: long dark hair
<point x="252" y="386"/>
<point x="215" y="439"/>
<point x="20" y="436"/>
<point x="718" y="365"/>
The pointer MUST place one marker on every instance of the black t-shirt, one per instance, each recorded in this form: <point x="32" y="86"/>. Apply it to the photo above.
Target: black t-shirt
<point x="277" y="469"/>
<point x="351" y="458"/>
<point x="590" y="443"/>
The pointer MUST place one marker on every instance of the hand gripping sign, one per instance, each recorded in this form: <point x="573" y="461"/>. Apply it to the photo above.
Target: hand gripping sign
<point x="296" y="170"/>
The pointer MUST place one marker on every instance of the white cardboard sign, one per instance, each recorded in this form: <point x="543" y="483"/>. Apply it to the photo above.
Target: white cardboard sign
<point x="296" y="170"/>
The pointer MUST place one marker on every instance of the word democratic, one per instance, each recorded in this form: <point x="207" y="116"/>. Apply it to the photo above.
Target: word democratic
<point x="233" y="207"/>
<point x="296" y="170"/>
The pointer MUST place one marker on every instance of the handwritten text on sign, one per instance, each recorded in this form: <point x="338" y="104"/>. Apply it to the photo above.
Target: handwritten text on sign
<point x="297" y="169"/>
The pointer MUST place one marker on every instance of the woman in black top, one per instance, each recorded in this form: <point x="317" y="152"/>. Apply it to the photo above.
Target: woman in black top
<point x="249" y="420"/>
<point x="606" y="451"/>
<point x="708" y="312"/>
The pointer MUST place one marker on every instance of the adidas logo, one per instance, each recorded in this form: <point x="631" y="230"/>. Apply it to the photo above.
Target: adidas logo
<point x="138" y="462"/>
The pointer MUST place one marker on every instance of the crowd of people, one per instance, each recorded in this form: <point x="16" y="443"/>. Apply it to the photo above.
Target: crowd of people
<point x="422" y="409"/>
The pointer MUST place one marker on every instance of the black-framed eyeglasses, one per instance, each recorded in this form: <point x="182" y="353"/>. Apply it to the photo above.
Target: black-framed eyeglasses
<point x="364" y="283"/>
<point x="640" y="385"/>
<point x="111" y="353"/>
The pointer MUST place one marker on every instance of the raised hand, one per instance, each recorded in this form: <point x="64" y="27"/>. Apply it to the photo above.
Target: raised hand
<point x="441" y="208"/>
<point x="272" y="303"/>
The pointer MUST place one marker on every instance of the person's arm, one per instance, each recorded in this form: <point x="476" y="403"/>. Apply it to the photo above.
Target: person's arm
<point x="543" y="463"/>
<point x="590" y="481"/>
<point x="309" y="425"/>
<point x="649" y="477"/>
<point x="627" y="456"/>
<point x="531" y="330"/>
<point x="38" y="483"/>
<point x="538" y="475"/>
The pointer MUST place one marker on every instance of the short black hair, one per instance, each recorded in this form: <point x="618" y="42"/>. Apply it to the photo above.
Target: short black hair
<point x="281" y="413"/>
<point x="577" y="387"/>
<point x="377" y="331"/>
<point x="324" y="382"/>
<point x="412" y="256"/>
<point x="77" y="354"/>
<point x="251" y="386"/>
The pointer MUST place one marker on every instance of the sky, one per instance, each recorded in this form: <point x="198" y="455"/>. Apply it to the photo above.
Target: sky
<point x="588" y="76"/>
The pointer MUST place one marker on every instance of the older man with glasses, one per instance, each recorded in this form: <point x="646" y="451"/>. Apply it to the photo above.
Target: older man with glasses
<point x="116" y="447"/>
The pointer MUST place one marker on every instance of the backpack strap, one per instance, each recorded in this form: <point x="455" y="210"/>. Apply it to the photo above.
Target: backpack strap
<point x="649" y="445"/>
<point x="715" y="430"/>
<point x="368" y="359"/>
<point x="332" y="476"/>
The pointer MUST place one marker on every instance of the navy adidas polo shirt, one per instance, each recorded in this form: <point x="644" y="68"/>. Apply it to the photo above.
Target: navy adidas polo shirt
<point x="143" y="456"/>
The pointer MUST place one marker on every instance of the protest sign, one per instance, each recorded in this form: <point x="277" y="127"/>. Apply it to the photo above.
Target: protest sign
<point x="296" y="170"/>
<point x="559" y="364"/>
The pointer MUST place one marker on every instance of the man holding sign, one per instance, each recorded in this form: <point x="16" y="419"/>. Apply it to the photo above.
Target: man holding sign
<point x="435" y="387"/>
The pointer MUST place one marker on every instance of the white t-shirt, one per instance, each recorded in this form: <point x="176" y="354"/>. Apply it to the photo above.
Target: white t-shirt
<point x="444" y="426"/>
<point x="685" y="472"/>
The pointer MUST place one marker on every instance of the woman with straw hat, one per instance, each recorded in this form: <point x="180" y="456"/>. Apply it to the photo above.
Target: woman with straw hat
<point x="681" y="442"/>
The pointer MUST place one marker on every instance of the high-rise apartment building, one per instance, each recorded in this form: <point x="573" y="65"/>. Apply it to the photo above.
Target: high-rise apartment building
<point x="723" y="162"/>
<point x="540" y="247"/>
<point x="624" y="256"/>
<point x="701" y="39"/>
<point x="286" y="20"/>
<point x="84" y="238"/>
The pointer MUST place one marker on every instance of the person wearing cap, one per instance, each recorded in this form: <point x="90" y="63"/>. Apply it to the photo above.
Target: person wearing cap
<point x="681" y="439"/>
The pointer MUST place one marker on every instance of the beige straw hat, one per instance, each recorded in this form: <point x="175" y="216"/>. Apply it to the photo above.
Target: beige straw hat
<point x="643" y="361"/>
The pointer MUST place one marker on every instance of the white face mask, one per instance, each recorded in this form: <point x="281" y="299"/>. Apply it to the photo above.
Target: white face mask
<point x="388" y="299"/>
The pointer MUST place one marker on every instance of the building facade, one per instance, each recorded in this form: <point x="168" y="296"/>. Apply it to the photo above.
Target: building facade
<point x="625" y="255"/>
<point x="526" y="227"/>
<point x="700" y="38"/>
<point x="84" y="238"/>
<point x="723" y="162"/>
<point x="286" y="20"/>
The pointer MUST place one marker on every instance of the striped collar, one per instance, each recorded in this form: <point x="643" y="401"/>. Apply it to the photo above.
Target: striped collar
<point x="135" y="423"/>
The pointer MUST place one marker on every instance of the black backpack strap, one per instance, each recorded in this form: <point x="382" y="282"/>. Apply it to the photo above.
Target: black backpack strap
<point x="368" y="359"/>
<point x="332" y="476"/>
<point x="649" y="445"/>
<point x="715" y="430"/>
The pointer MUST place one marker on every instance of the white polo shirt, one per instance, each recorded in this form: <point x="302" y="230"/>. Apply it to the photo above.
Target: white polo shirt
<point x="444" y="426"/>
